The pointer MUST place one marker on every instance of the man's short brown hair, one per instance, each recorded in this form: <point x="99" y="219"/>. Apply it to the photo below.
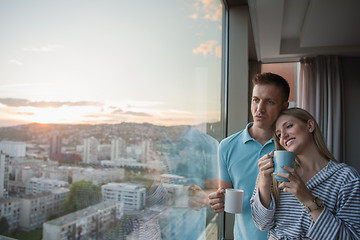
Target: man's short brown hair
<point x="273" y="79"/>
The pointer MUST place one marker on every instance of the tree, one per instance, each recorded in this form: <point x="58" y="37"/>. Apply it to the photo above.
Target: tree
<point x="4" y="226"/>
<point x="70" y="179"/>
<point x="82" y="194"/>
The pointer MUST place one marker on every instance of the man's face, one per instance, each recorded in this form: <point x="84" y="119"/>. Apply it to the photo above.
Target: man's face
<point x="266" y="105"/>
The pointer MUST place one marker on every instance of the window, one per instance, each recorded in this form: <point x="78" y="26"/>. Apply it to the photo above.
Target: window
<point x="287" y="70"/>
<point x="118" y="96"/>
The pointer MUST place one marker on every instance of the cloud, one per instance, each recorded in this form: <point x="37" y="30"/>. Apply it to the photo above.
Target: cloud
<point x="19" y="102"/>
<point x="45" y="48"/>
<point x="205" y="48"/>
<point x="209" y="9"/>
<point x="195" y="16"/>
<point x="118" y="111"/>
<point x="140" y="114"/>
<point x="218" y="51"/>
<point x="25" y="113"/>
<point x="122" y="112"/>
<point x="212" y="10"/>
<point x="16" y="62"/>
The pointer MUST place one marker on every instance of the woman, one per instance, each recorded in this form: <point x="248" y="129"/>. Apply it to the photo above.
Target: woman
<point x="321" y="199"/>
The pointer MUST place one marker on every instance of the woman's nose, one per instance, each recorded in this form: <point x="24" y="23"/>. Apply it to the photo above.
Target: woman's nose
<point x="284" y="134"/>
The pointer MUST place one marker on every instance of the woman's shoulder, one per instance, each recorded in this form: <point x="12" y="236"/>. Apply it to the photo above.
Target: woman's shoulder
<point x="345" y="172"/>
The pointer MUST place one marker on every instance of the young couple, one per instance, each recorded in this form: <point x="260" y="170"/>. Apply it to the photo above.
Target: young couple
<point x="321" y="199"/>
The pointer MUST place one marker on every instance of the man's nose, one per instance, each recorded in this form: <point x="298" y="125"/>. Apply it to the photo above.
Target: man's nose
<point x="261" y="106"/>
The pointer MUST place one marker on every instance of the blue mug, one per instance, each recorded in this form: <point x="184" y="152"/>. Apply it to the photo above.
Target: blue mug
<point x="283" y="158"/>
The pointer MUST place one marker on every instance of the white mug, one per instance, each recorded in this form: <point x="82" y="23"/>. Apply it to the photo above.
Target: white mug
<point x="233" y="200"/>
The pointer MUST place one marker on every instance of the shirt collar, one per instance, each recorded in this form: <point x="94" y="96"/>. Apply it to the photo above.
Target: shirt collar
<point x="246" y="137"/>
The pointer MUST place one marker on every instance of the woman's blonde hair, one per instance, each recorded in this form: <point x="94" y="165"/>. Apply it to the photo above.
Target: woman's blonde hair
<point x="320" y="144"/>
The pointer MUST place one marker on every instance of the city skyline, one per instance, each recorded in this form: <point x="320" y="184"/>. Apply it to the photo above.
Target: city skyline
<point x="110" y="61"/>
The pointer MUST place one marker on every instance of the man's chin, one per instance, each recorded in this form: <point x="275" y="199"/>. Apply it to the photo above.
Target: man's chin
<point x="262" y="125"/>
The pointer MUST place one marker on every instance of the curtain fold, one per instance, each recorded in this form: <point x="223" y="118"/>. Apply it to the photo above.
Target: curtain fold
<point x="321" y="93"/>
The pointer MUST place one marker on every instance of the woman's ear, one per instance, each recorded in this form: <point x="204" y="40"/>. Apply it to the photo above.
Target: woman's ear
<point x="311" y="125"/>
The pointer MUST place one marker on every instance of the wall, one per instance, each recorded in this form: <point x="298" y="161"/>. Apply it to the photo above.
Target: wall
<point x="351" y="66"/>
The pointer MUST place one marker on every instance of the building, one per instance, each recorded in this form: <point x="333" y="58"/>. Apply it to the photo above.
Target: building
<point x="89" y="223"/>
<point x="4" y="175"/>
<point x="99" y="176"/>
<point x="55" y="147"/>
<point x="146" y="151"/>
<point x="104" y="151"/>
<point x="40" y="185"/>
<point x="10" y="209"/>
<point x="132" y="196"/>
<point x="118" y="148"/>
<point x="23" y="169"/>
<point x="13" y="149"/>
<point x="36" y="209"/>
<point x="90" y="150"/>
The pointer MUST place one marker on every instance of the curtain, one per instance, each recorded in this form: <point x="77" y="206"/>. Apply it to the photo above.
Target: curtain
<point x="321" y="93"/>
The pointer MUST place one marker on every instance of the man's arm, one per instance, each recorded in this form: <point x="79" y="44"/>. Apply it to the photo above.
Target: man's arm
<point x="199" y="197"/>
<point x="216" y="199"/>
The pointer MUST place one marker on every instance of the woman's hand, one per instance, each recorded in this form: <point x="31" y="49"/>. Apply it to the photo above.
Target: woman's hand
<point x="266" y="168"/>
<point x="296" y="186"/>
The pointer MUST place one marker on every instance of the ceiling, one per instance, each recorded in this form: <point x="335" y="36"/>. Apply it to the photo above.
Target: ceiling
<point x="286" y="30"/>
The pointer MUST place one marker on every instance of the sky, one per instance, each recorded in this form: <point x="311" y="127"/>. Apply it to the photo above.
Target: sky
<point x="110" y="61"/>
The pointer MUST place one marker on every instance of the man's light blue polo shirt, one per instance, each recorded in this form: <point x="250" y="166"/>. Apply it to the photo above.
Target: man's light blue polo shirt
<point x="238" y="162"/>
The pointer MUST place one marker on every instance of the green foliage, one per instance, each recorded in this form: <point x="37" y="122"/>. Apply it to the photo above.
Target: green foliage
<point x="11" y="177"/>
<point x="53" y="216"/>
<point x="70" y="179"/>
<point x="23" y="235"/>
<point x="4" y="226"/>
<point x="82" y="194"/>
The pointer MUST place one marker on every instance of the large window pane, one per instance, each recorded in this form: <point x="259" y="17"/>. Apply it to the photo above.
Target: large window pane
<point x="110" y="117"/>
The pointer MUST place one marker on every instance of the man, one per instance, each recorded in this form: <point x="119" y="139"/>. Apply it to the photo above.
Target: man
<point x="239" y="153"/>
<point x="192" y="157"/>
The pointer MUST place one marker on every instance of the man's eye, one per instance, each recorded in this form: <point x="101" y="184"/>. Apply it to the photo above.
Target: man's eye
<point x="289" y="126"/>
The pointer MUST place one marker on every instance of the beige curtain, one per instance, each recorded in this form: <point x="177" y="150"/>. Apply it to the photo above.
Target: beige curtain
<point x="321" y="93"/>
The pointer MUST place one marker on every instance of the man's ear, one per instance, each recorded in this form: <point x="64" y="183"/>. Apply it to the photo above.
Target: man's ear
<point x="285" y="105"/>
<point x="311" y="125"/>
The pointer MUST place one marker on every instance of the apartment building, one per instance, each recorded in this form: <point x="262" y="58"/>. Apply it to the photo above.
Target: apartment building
<point x="132" y="196"/>
<point x="13" y="149"/>
<point x="4" y="175"/>
<point x="99" y="176"/>
<point x="36" y="209"/>
<point x="90" y="223"/>
<point x="23" y="169"/>
<point x="10" y="209"/>
<point x="40" y="185"/>
<point x="90" y="153"/>
<point x="118" y="148"/>
<point x="55" y="147"/>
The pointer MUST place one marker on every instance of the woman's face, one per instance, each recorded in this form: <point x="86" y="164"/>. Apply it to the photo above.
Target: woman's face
<point x="294" y="134"/>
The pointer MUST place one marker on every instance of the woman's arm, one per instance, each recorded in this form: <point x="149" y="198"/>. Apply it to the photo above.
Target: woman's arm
<point x="345" y="222"/>
<point x="263" y="216"/>
<point x="266" y="168"/>
<point x="262" y="204"/>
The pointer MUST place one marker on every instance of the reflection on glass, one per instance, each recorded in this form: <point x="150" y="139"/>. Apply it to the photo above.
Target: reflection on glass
<point x="109" y="118"/>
